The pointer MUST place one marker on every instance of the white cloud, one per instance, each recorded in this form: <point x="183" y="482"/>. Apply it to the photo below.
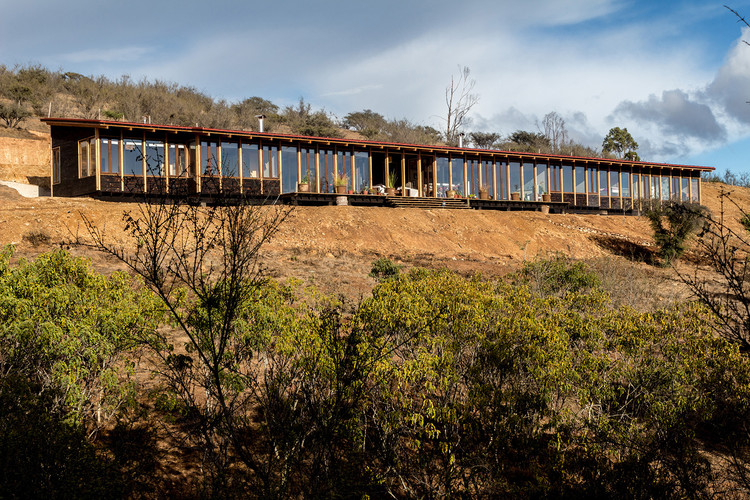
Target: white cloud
<point x="122" y="54"/>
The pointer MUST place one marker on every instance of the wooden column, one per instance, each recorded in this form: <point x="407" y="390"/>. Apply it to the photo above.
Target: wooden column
<point x="434" y="176"/>
<point x="317" y="169"/>
<point x="466" y="175"/>
<point x="98" y="161"/>
<point x="121" y="159"/>
<point x="403" y="174"/>
<point x="260" y="166"/>
<point x="369" y="162"/>
<point x="420" y="189"/>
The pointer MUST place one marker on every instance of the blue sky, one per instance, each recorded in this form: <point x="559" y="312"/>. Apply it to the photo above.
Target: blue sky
<point x="675" y="73"/>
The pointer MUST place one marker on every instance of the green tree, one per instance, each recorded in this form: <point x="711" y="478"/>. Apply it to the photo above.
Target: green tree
<point x="368" y="123"/>
<point x="484" y="140"/>
<point x="673" y="222"/>
<point x="621" y="143"/>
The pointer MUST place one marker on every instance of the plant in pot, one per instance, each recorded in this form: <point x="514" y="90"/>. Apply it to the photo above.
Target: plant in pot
<point x="484" y="192"/>
<point x="340" y="182"/>
<point x="390" y="184"/>
<point x="516" y="194"/>
<point x="303" y="186"/>
<point x="450" y="193"/>
<point x="546" y="198"/>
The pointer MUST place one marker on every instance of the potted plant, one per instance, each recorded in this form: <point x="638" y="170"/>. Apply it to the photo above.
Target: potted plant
<point x="304" y="184"/>
<point x="340" y="182"/>
<point x="451" y="193"/>
<point x="546" y="198"/>
<point x="484" y="192"/>
<point x="516" y="194"/>
<point x="390" y="184"/>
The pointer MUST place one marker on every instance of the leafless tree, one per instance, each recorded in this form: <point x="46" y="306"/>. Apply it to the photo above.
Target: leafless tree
<point x="459" y="100"/>
<point x="553" y="128"/>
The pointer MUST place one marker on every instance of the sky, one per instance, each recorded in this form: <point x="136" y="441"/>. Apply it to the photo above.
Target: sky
<point x="676" y="74"/>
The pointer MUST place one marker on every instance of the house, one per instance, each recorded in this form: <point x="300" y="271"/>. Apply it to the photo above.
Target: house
<point x="111" y="158"/>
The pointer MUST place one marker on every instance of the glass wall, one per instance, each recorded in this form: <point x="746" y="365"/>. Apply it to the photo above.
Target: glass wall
<point x="155" y="158"/>
<point x="326" y="157"/>
<point x="501" y="180"/>
<point x="665" y="188"/>
<point x="603" y="184"/>
<point x="685" y="189"/>
<point x="344" y="167"/>
<point x="442" y="167"/>
<point x="515" y="178"/>
<point x="614" y="183"/>
<point x="567" y="178"/>
<point x="362" y="171"/>
<point x="655" y="183"/>
<point x="528" y="182"/>
<point x="250" y="169"/>
<point x="110" y="152"/>
<point x="177" y="160"/>
<point x="487" y="167"/>
<point x="132" y="161"/>
<point x="210" y="158"/>
<point x="309" y="172"/>
<point x="457" y="173"/>
<point x="592" y="177"/>
<point x="625" y="183"/>
<point x="288" y="169"/>
<point x="694" y="188"/>
<point x="472" y="183"/>
<point x="230" y="159"/>
<point x="636" y="186"/>
<point x="270" y="162"/>
<point x="555" y="179"/>
<point x="541" y="178"/>
<point x="580" y="180"/>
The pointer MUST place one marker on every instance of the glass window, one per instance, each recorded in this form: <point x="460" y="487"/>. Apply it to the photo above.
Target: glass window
<point x="56" y="166"/>
<point x="362" y="170"/>
<point x="288" y="169"/>
<point x="487" y="168"/>
<point x="500" y="178"/>
<point x="154" y="158"/>
<point x="250" y="168"/>
<point x="625" y="183"/>
<point x="694" y="188"/>
<point x="344" y="166"/>
<point x="308" y="170"/>
<point x="685" y="189"/>
<point x="603" y="184"/>
<point x="580" y="180"/>
<point x="178" y="160"/>
<point x="442" y="167"/>
<point x="646" y="189"/>
<point x="636" y="186"/>
<point x="132" y="161"/>
<point x="528" y="182"/>
<point x="83" y="160"/>
<point x="655" y="183"/>
<point x="567" y="181"/>
<point x="592" y="176"/>
<point x="457" y="172"/>
<point x="110" y="151"/>
<point x="675" y="188"/>
<point x="270" y="162"/>
<point x="230" y="159"/>
<point x="614" y="183"/>
<point x="555" y="178"/>
<point x="541" y="178"/>
<point x="209" y="158"/>
<point x="326" y="171"/>
<point x="515" y="178"/>
<point x="472" y="183"/>
<point x="665" y="188"/>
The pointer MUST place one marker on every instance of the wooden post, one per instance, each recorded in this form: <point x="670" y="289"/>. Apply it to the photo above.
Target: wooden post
<point x="260" y="166"/>
<point x="536" y="186"/>
<point x="434" y="176"/>
<point x="121" y="159"/>
<point x="420" y="190"/>
<point x="369" y="161"/>
<point x="143" y="160"/>
<point x="403" y="173"/>
<point x="98" y="161"/>
<point x="166" y="162"/>
<point x="240" y="170"/>
<point x="466" y="175"/>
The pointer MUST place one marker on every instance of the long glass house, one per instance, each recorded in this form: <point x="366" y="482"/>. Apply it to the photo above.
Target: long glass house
<point x="107" y="158"/>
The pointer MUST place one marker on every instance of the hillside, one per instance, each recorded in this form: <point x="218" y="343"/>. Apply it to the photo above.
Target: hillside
<point x="332" y="247"/>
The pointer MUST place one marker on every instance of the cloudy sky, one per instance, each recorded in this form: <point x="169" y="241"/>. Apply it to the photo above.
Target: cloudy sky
<point x="675" y="73"/>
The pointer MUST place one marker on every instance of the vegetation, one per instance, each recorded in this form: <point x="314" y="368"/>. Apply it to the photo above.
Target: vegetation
<point x="619" y="142"/>
<point x="673" y="222"/>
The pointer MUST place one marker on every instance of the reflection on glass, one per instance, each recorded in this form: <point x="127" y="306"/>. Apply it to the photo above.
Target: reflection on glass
<point x="541" y="178"/>
<point x="308" y="170"/>
<point x="567" y="171"/>
<point x="288" y="169"/>
<point x="592" y="176"/>
<point x="580" y="180"/>
<point x="528" y="182"/>
<point x="326" y="157"/>
<point x="636" y="186"/>
<point x="110" y="149"/>
<point x="665" y="188"/>
<point x="132" y="162"/>
<point x="362" y="170"/>
<point x="694" y="188"/>
<point x="457" y="172"/>
<point x="230" y="159"/>
<point x="603" y="184"/>
<point x="501" y="181"/>
<point x="250" y="168"/>
<point x="270" y="162"/>
<point x="177" y="160"/>
<point x="154" y="158"/>
<point x="625" y="184"/>
<point x="515" y="178"/>
<point x="210" y="158"/>
<point x="442" y="167"/>
<point x="685" y="189"/>
<point x="614" y="183"/>
<point x="555" y="179"/>
<point x="84" y="167"/>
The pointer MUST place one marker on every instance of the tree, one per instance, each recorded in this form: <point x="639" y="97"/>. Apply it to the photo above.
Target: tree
<point x="484" y="140"/>
<point x="368" y="123"/>
<point x="13" y="114"/>
<point x="673" y="222"/>
<point x="554" y="130"/>
<point x="621" y="143"/>
<point x="459" y="100"/>
<point x="528" y="141"/>
<point x="302" y="120"/>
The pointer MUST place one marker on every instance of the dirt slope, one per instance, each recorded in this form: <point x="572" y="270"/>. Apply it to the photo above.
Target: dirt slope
<point x="333" y="247"/>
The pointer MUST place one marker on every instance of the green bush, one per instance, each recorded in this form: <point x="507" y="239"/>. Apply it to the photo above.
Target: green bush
<point x="384" y="268"/>
<point x="673" y="222"/>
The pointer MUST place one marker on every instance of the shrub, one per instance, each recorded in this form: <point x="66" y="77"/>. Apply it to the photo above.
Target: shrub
<point x="384" y="268"/>
<point x="673" y="222"/>
<point x="557" y="275"/>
